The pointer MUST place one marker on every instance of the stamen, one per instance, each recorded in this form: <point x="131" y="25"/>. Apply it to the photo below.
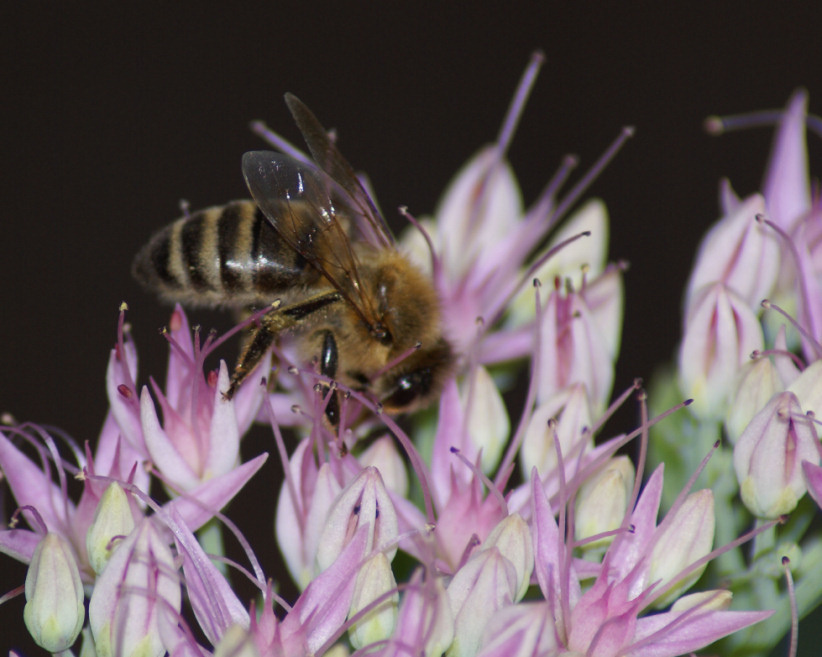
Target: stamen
<point x="260" y="129"/>
<point x="543" y="206"/>
<point x="38" y="519"/>
<point x="509" y="125"/>
<point x="182" y="536"/>
<point x="767" y="305"/>
<point x="699" y="563"/>
<point x="479" y="474"/>
<point x="282" y="452"/>
<point x="519" y="434"/>
<point x="499" y="308"/>
<point x="514" y="114"/>
<point x="436" y="266"/>
<point x="396" y="361"/>
<point x="756" y="354"/>
<point x="719" y="125"/>
<point x="254" y="318"/>
<point x="786" y="564"/>
<point x="592" y="174"/>
<point x="122" y="333"/>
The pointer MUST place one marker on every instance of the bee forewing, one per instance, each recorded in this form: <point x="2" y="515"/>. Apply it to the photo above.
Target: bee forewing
<point x="284" y="189"/>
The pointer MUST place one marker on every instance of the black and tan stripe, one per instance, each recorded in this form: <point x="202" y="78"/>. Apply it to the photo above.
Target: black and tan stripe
<point x="229" y="255"/>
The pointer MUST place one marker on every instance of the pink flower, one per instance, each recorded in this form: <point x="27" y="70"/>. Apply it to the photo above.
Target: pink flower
<point x="638" y="568"/>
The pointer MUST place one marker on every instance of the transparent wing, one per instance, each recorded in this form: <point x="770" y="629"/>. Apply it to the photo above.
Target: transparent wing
<point x="368" y="221"/>
<point x="313" y="215"/>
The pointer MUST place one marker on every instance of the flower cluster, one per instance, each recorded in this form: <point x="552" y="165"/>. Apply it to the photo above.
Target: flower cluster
<point x="750" y="357"/>
<point x="472" y="532"/>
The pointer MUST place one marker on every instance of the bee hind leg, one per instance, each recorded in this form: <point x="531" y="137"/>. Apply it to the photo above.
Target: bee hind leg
<point x="273" y="323"/>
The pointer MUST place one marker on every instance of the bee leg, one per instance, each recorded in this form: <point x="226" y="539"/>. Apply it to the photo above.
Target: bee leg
<point x="328" y="367"/>
<point x="280" y="319"/>
<point x="254" y="351"/>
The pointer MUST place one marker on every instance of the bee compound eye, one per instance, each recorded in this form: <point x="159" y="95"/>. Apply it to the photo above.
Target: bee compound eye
<point x="408" y="388"/>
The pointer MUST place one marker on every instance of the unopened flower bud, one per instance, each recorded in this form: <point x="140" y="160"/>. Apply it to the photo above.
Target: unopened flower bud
<point x="758" y="383"/>
<point x="513" y="539"/>
<point x="603" y="501"/>
<point x="808" y="388"/>
<point x="721" y="332"/>
<point x="485" y="584"/>
<point x="138" y="584"/>
<point x="574" y="348"/>
<point x="813" y="479"/>
<point x="54" y="611"/>
<point x="383" y="455"/>
<point x="112" y="520"/>
<point x="236" y="642"/>
<point x="425" y="619"/>
<point x="309" y="510"/>
<point x="768" y="457"/>
<point x="740" y="252"/>
<point x="685" y="537"/>
<point x="470" y="222"/>
<point x="522" y="630"/>
<point x="365" y="502"/>
<point x="374" y="579"/>
<point x="488" y="423"/>
<point x="716" y="600"/>
<point x="572" y="410"/>
<point x="583" y="259"/>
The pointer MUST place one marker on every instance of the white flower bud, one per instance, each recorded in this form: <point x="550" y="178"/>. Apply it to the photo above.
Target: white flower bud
<point x="740" y="252"/>
<point x="365" y="502"/>
<point x="485" y="584"/>
<point x="112" y="519"/>
<point x="137" y="586"/>
<point x="686" y="537"/>
<point x="374" y="579"/>
<point x="488" y="424"/>
<point x="721" y="332"/>
<point x="768" y="457"/>
<point x="236" y="642"/>
<point x="808" y="388"/>
<point x="513" y="539"/>
<point x="573" y="412"/>
<point x="603" y="501"/>
<point x="716" y="600"/>
<point x="759" y="381"/>
<point x="54" y="611"/>
<point x="383" y="455"/>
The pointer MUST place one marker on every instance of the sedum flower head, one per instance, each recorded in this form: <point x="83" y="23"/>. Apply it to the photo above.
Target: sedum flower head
<point x="429" y="540"/>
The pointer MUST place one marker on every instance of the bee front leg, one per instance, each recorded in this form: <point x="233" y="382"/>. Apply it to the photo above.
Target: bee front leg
<point x="328" y="367"/>
<point x="272" y="324"/>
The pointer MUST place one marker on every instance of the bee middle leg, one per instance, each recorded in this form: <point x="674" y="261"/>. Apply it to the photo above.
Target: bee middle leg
<point x="271" y="325"/>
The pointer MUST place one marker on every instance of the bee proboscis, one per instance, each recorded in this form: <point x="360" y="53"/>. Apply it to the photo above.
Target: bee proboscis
<point x="313" y="239"/>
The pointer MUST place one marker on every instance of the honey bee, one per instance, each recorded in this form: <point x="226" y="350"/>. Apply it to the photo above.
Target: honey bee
<point x="313" y="247"/>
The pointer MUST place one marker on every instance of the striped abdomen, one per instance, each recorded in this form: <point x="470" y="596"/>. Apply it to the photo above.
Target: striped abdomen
<point x="227" y="255"/>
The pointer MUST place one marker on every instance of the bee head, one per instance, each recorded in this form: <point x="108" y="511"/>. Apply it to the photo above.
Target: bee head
<point x="418" y="379"/>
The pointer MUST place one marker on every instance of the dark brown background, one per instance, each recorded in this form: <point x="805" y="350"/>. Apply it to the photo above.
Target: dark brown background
<point x="111" y="117"/>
